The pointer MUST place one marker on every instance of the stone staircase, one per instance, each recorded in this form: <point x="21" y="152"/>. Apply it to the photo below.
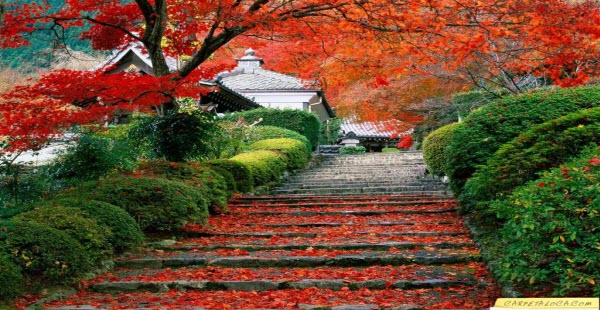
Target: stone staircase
<point x="320" y="250"/>
<point x="370" y="174"/>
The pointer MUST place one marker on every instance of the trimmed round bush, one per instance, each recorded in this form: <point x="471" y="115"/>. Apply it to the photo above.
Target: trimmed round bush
<point x="352" y="150"/>
<point x="265" y="166"/>
<point x="93" y="237"/>
<point x="156" y="203"/>
<point x="540" y="148"/>
<point x="258" y="133"/>
<point x="44" y="252"/>
<point x="293" y="150"/>
<point x="11" y="279"/>
<point x="240" y="172"/>
<point x="125" y="232"/>
<point x="227" y="177"/>
<point x="303" y="122"/>
<point x="207" y="182"/>
<point x="552" y="229"/>
<point x="487" y="128"/>
<point x="434" y="148"/>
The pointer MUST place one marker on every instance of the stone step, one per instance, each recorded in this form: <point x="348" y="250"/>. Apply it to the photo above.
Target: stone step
<point x="350" y="260"/>
<point x="315" y="235"/>
<point x="335" y="203"/>
<point x="355" y="184"/>
<point x="352" y="212"/>
<point x="367" y="190"/>
<point x="329" y="198"/>
<point x="266" y="285"/>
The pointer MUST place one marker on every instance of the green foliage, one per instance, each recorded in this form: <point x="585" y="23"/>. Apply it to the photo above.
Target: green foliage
<point x="177" y="136"/>
<point x="156" y="203"/>
<point x="125" y="232"/>
<point x="77" y="224"/>
<point x="11" y="281"/>
<point x="390" y="150"/>
<point x="434" y="148"/>
<point x="204" y="180"/>
<point x="442" y="112"/>
<point x="293" y="150"/>
<point x="265" y="166"/>
<point x="241" y="172"/>
<point x="553" y="227"/>
<point x="21" y="185"/>
<point x="93" y="156"/>
<point x="330" y="131"/>
<point x="258" y="133"/>
<point x="540" y="148"/>
<point x="227" y="177"/>
<point x="44" y="252"/>
<point x="352" y="150"/>
<point x="487" y="128"/>
<point x="303" y="122"/>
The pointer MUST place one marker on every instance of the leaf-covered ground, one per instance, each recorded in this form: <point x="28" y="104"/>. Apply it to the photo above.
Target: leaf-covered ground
<point x="288" y="253"/>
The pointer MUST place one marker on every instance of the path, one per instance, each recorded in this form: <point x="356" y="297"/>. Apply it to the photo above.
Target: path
<point x="337" y="251"/>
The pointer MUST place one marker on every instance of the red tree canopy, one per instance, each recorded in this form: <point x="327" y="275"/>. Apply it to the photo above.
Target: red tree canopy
<point x="342" y="43"/>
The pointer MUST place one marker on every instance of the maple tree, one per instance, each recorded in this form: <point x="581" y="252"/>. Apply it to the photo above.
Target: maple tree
<point x="339" y="41"/>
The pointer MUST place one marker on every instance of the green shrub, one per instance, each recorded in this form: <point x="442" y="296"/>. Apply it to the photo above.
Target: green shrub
<point x="540" y="148"/>
<point x="206" y="181"/>
<point x="125" y="232"/>
<point x="241" y="172"/>
<point x="177" y="136"/>
<point x="434" y="148"/>
<point x="553" y="227"/>
<point x="227" y="177"/>
<point x="293" y="150"/>
<point x="390" y="150"/>
<point x="330" y="131"/>
<point x="12" y="283"/>
<point x="91" y="158"/>
<point x="44" y="252"/>
<point x="156" y="203"/>
<point x="352" y="150"/>
<point x="258" y="133"/>
<point x="265" y="166"/>
<point x="485" y="129"/>
<point x="77" y="224"/>
<point x="303" y="122"/>
<point x="441" y="112"/>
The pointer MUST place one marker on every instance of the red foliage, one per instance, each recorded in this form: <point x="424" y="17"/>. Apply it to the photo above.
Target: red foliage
<point x="406" y="142"/>
<point x="338" y="42"/>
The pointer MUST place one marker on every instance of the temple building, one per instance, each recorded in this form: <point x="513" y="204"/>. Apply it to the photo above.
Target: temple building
<point x="248" y="86"/>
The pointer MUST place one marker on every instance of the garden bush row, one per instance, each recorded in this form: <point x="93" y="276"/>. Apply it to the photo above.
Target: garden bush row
<point x="525" y="169"/>
<point x="70" y="234"/>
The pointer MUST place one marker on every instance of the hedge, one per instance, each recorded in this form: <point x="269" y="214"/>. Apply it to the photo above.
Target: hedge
<point x="156" y="203"/>
<point x="293" y="150"/>
<point x="227" y="177"/>
<point x="257" y="133"/>
<point x="487" y="128"/>
<point x="86" y="230"/>
<point x="303" y="122"/>
<point x="44" y="252"/>
<point x="125" y="232"/>
<point x="265" y="166"/>
<point x="352" y="150"/>
<point x="207" y="182"/>
<point x="12" y="283"/>
<point x="540" y="148"/>
<point x="241" y="172"/>
<point x="552" y="229"/>
<point x="434" y="148"/>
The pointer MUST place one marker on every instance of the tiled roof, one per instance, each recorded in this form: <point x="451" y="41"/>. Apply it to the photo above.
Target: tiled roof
<point x="249" y="75"/>
<point x="140" y="51"/>
<point x="259" y="79"/>
<point x="366" y="129"/>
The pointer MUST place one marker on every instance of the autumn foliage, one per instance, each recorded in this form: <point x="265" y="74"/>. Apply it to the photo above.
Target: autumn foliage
<point x="374" y="42"/>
